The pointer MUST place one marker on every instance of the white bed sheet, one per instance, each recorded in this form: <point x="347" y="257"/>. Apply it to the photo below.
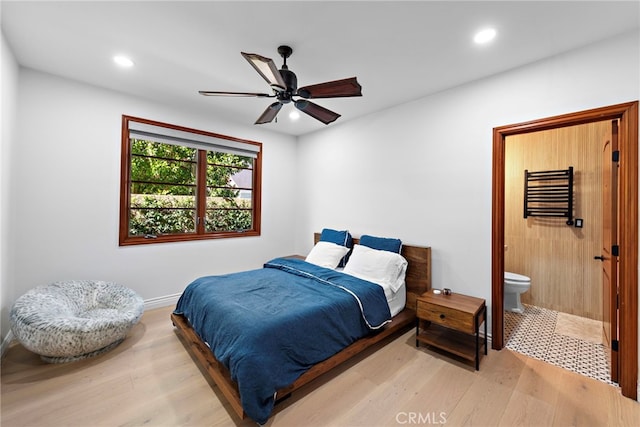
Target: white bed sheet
<point x="396" y="300"/>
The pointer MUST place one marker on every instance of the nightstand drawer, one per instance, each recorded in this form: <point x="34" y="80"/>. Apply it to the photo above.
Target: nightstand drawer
<point x="445" y="316"/>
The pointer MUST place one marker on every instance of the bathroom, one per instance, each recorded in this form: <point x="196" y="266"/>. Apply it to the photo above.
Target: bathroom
<point x="557" y="279"/>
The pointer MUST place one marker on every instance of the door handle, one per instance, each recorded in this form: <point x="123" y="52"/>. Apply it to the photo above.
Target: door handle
<point x="600" y="257"/>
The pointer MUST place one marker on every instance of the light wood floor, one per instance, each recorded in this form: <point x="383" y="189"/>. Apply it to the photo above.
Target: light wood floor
<point x="151" y="380"/>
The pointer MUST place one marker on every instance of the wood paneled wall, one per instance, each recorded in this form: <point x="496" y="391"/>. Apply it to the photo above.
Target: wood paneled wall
<point x="557" y="257"/>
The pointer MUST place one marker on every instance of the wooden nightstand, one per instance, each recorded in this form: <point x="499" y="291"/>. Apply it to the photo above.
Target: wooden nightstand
<point x="452" y="323"/>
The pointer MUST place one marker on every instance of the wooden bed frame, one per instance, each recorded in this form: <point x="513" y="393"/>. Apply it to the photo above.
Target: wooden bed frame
<point x="418" y="281"/>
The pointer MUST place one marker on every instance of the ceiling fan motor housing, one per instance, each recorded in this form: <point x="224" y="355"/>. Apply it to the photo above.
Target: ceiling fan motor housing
<point x="291" y="81"/>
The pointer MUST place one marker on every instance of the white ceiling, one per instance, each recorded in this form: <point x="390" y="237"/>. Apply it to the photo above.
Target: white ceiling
<point x="400" y="51"/>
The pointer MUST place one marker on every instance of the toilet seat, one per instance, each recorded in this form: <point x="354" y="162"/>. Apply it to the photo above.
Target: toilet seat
<point x="515" y="278"/>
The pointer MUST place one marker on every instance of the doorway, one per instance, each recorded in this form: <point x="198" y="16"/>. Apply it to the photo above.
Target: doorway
<point x="627" y="114"/>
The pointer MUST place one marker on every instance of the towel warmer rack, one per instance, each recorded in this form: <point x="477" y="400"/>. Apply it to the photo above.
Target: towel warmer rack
<point x="549" y="194"/>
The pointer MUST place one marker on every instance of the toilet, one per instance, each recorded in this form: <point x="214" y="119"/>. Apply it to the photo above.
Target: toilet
<point x="514" y="285"/>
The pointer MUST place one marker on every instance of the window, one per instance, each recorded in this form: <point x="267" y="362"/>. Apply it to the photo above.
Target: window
<point x="183" y="184"/>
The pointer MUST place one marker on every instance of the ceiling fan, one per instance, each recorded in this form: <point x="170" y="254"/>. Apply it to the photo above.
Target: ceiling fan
<point x="284" y="84"/>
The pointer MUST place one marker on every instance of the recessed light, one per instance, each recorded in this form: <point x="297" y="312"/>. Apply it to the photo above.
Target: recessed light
<point x="123" y="61"/>
<point x="485" y="36"/>
<point x="294" y="115"/>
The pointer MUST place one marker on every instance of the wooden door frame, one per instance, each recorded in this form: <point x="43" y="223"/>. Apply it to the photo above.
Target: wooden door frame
<point x="627" y="113"/>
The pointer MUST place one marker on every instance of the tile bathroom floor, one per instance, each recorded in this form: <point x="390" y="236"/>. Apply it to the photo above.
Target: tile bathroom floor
<point x="561" y="339"/>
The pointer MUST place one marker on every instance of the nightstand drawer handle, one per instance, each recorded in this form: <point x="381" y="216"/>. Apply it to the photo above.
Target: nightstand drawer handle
<point x="442" y="316"/>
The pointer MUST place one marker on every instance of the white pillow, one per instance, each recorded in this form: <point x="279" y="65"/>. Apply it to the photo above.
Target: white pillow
<point x="327" y="254"/>
<point x="385" y="268"/>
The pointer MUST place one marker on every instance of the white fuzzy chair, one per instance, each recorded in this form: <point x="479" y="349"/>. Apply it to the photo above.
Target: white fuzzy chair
<point x="73" y="320"/>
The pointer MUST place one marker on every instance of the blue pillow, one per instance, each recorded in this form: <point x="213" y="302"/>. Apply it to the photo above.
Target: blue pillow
<point x="381" y="243"/>
<point x="342" y="238"/>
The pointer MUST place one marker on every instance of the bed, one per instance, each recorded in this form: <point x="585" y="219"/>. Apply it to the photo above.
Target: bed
<point x="236" y="353"/>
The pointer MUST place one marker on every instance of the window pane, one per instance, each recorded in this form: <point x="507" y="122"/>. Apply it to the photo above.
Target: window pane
<point x="163" y="189"/>
<point x="229" y="192"/>
<point x="228" y="220"/>
<point x="150" y="148"/>
<point x="156" y="222"/>
<point x="155" y="165"/>
<point x="229" y="159"/>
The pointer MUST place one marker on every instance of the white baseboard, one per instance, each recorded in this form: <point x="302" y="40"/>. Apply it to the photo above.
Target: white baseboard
<point x="164" y="301"/>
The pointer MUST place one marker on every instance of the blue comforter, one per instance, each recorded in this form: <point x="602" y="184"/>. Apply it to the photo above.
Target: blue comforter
<point x="268" y="326"/>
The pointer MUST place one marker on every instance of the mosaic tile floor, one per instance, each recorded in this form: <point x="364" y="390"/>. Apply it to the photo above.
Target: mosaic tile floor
<point x="533" y="334"/>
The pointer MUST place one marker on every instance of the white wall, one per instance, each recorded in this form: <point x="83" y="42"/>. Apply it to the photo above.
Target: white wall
<point x="9" y="79"/>
<point x="65" y="194"/>
<point x="422" y="171"/>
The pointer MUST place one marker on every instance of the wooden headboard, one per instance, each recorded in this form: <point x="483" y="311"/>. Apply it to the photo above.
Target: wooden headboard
<point x="418" y="277"/>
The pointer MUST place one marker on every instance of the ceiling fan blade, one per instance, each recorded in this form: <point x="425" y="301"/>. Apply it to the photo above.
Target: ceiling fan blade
<point x="316" y="111"/>
<point x="247" y="94"/>
<point x="269" y="114"/>
<point x="333" y="89"/>
<point x="267" y="69"/>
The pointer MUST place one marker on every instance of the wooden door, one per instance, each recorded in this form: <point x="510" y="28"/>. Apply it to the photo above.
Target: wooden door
<point x="609" y="255"/>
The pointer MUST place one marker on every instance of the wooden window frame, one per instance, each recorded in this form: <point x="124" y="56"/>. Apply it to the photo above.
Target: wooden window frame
<point x="199" y="234"/>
